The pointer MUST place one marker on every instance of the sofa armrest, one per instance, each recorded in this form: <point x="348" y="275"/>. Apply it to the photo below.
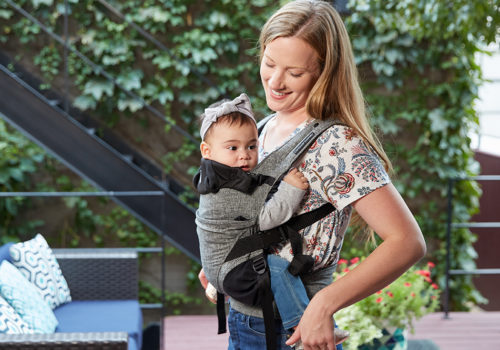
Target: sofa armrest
<point x="100" y="273"/>
<point x="73" y="341"/>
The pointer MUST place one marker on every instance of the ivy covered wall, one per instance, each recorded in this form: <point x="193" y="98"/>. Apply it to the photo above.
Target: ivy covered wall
<point x="416" y="62"/>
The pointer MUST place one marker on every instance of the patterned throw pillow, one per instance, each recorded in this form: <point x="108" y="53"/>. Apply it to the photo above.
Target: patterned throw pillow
<point x="10" y="321"/>
<point x="26" y="300"/>
<point x="37" y="262"/>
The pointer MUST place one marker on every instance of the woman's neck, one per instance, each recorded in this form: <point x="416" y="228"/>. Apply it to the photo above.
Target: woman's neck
<point x="280" y="128"/>
<point x="291" y="119"/>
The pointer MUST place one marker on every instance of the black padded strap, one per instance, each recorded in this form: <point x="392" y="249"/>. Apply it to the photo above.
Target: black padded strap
<point x="268" y="311"/>
<point x="221" y="313"/>
<point x="265" y="239"/>
<point x="304" y="220"/>
<point x="257" y="241"/>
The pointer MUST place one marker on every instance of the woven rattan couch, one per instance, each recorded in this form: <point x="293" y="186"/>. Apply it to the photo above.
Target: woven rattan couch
<point x="104" y="312"/>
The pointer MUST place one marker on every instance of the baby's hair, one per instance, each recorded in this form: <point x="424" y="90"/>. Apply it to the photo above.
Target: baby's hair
<point x="233" y="118"/>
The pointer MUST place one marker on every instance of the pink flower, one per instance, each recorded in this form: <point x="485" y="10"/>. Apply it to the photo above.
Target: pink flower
<point x="379" y="292"/>
<point x="354" y="260"/>
<point x="346" y="270"/>
<point x="342" y="261"/>
<point x="379" y="300"/>
<point x="435" y="286"/>
<point x="413" y="294"/>
<point x="407" y="284"/>
<point x="390" y="294"/>
<point x="431" y="264"/>
<point x="424" y="273"/>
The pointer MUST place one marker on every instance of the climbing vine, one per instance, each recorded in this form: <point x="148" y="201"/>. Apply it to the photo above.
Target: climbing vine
<point x="416" y="61"/>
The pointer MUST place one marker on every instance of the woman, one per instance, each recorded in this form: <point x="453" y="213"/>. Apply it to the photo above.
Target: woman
<point x="308" y="72"/>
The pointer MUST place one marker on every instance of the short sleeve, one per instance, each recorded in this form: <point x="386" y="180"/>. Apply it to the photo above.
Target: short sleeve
<point x="341" y="167"/>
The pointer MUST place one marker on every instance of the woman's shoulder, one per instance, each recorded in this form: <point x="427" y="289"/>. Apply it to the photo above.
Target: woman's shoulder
<point x="338" y="135"/>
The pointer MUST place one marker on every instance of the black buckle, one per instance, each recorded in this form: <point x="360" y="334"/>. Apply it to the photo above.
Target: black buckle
<point x="259" y="265"/>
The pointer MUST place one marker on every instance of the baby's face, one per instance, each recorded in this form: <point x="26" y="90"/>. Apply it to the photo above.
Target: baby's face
<point x="232" y="145"/>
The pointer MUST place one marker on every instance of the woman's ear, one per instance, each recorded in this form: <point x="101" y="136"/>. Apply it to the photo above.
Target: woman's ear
<point x="205" y="150"/>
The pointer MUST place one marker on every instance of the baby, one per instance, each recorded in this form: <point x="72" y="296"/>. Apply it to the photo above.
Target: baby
<point x="230" y="142"/>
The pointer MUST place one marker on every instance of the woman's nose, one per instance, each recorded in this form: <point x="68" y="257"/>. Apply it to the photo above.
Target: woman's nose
<point x="276" y="80"/>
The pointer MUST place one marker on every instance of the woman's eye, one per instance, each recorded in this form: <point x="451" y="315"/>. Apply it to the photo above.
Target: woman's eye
<point x="296" y="75"/>
<point x="269" y="65"/>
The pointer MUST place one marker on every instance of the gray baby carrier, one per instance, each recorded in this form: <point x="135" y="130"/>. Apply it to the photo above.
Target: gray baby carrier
<point x="233" y="250"/>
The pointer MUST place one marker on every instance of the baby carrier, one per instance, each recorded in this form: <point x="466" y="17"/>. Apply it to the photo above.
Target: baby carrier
<point x="233" y="250"/>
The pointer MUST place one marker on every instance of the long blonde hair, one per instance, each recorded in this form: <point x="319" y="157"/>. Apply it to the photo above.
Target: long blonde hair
<point x="336" y="93"/>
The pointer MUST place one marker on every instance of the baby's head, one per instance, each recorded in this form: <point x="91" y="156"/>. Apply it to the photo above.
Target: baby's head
<point x="229" y="133"/>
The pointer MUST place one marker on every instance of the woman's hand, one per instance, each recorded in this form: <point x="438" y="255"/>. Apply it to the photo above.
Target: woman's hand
<point x="315" y="328"/>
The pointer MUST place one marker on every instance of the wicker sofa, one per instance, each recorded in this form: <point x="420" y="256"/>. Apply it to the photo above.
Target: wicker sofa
<point x="104" y="312"/>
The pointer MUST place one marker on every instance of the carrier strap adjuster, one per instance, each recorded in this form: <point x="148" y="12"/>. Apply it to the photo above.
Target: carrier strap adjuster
<point x="259" y="265"/>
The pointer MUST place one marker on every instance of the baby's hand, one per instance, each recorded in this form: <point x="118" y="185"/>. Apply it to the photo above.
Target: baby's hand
<point x="296" y="179"/>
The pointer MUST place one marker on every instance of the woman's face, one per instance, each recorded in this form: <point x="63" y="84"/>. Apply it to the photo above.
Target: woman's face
<point x="288" y="70"/>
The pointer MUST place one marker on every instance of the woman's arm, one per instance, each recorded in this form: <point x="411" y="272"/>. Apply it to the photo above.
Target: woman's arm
<point x="403" y="245"/>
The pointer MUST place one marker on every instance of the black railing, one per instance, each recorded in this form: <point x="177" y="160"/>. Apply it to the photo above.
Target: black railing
<point x="450" y="225"/>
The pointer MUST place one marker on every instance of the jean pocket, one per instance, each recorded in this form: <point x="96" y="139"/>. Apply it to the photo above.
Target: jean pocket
<point x="256" y="325"/>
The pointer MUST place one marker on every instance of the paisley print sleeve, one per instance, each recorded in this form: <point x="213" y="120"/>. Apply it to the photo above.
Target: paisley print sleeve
<point x="342" y="168"/>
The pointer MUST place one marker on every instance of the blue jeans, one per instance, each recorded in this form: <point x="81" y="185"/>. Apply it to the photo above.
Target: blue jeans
<point x="288" y="290"/>
<point x="248" y="333"/>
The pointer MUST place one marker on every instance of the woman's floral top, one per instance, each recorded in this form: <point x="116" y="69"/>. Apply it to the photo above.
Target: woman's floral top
<point x="341" y="168"/>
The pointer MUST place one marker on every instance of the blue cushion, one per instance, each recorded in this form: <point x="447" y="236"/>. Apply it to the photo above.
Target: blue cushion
<point x="102" y="316"/>
<point x="35" y="260"/>
<point x="4" y="252"/>
<point x="25" y="299"/>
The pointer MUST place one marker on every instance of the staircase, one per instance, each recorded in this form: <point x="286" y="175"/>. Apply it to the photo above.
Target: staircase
<point x="106" y="162"/>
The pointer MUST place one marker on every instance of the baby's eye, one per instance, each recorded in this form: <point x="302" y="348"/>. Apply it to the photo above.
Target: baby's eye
<point x="232" y="148"/>
<point x="252" y="147"/>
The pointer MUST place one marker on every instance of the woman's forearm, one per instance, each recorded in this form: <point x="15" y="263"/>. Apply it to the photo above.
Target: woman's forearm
<point x="403" y="245"/>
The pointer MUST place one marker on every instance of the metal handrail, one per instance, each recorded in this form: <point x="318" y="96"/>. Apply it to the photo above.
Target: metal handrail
<point x="451" y="225"/>
<point x="100" y="70"/>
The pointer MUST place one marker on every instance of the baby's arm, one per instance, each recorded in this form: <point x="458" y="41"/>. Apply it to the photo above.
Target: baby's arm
<point x="285" y="201"/>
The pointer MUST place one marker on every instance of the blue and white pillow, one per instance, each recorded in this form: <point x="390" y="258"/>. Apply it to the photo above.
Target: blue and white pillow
<point x="25" y="299"/>
<point x="10" y="321"/>
<point x="37" y="262"/>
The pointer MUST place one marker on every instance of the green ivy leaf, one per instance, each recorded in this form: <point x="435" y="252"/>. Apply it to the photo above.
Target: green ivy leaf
<point x="130" y="80"/>
<point x="6" y="14"/>
<point x="37" y="3"/>
<point x="438" y="122"/>
<point x="131" y="104"/>
<point x="98" y="88"/>
<point x="85" y="102"/>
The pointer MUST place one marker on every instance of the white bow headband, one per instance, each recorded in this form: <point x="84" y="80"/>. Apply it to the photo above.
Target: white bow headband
<point x="240" y="104"/>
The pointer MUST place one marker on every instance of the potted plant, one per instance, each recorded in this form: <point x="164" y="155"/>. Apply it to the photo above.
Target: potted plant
<point x="382" y="320"/>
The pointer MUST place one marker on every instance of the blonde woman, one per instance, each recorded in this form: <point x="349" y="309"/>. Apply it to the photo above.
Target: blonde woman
<point x="308" y="73"/>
